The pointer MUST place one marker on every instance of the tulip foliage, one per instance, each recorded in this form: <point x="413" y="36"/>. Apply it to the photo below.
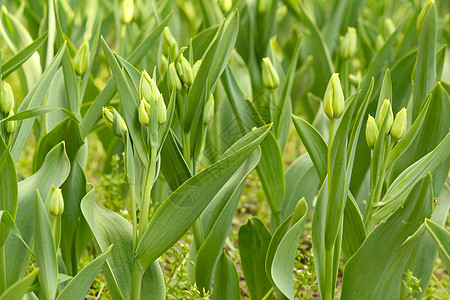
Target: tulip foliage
<point x="333" y="116"/>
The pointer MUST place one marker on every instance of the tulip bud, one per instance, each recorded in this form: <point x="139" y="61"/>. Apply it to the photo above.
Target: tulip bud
<point x="164" y="65"/>
<point x="56" y="205"/>
<point x="196" y="67"/>
<point x="371" y="132"/>
<point x="170" y="45"/>
<point x="81" y="60"/>
<point x="379" y="43"/>
<point x="11" y="125"/>
<point x="127" y="11"/>
<point x="185" y="70"/>
<point x="422" y="14"/>
<point x="389" y="27"/>
<point x="143" y="112"/>
<point x="269" y="74"/>
<point x="226" y="5"/>
<point x="161" y="110"/>
<point x="6" y="98"/>
<point x="174" y="80"/>
<point x="386" y="110"/>
<point x="333" y="100"/>
<point x="208" y="111"/>
<point x="108" y="116"/>
<point x="399" y="126"/>
<point x="147" y="87"/>
<point x="348" y="46"/>
<point x="119" y="125"/>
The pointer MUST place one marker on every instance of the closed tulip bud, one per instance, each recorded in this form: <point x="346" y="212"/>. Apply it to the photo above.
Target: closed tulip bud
<point x="108" y="116"/>
<point x="208" y="112"/>
<point x="371" y="132"/>
<point x="143" y="112"/>
<point x="147" y="87"/>
<point x="185" y="71"/>
<point x="119" y="125"/>
<point x="81" y="60"/>
<point x="170" y="45"/>
<point x="348" y="47"/>
<point x="389" y="27"/>
<point x="174" y="80"/>
<point x="399" y="126"/>
<point x="6" y="98"/>
<point x="127" y="11"/>
<point x="161" y="110"/>
<point x="226" y="5"/>
<point x="422" y="14"/>
<point x="196" y="67"/>
<point x="379" y="43"/>
<point x="11" y="125"/>
<point x="164" y="65"/>
<point x="386" y="110"/>
<point x="56" y="205"/>
<point x="269" y="74"/>
<point x="333" y="100"/>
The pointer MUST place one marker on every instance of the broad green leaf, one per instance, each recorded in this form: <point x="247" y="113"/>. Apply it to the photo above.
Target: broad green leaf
<point x="216" y="221"/>
<point x="357" y="282"/>
<point x="37" y="111"/>
<point x="253" y="240"/>
<point x="8" y="188"/>
<point x="226" y="285"/>
<point x="386" y="90"/>
<point x="19" y="288"/>
<point x="402" y="84"/>
<point x="284" y="250"/>
<point x="354" y="232"/>
<point x="44" y="247"/>
<point x="212" y="14"/>
<point x="17" y="37"/>
<point x="441" y="237"/>
<point x="79" y="285"/>
<point x="102" y="99"/>
<point x="21" y="57"/>
<point x="425" y="68"/>
<point x="201" y="41"/>
<point x="314" y="143"/>
<point x="178" y="212"/>
<point x="34" y="98"/>
<point x="405" y="181"/>
<point x="108" y="228"/>
<point x="213" y="64"/>
<point x="53" y="172"/>
<point x="129" y="104"/>
<point x="301" y="181"/>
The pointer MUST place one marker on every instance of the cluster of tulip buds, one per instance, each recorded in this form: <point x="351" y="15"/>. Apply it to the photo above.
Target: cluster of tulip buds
<point x="395" y="127"/>
<point x="7" y="107"/>
<point x="114" y="121"/>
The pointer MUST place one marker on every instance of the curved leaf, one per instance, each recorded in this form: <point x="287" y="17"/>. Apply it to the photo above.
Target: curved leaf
<point x="226" y="285"/>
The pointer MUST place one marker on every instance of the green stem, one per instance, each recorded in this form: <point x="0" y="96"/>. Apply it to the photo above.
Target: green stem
<point x="328" y="275"/>
<point x="149" y="178"/>
<point x="330" y="143"/>
<point x="133" y="216"/>
<point x="136" y="281"/>
<point x="273" y="105"/>
<point x="186" y="147"/>
<point x="2" y="269"/>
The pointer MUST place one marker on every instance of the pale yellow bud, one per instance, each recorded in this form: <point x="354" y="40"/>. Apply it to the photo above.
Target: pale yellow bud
<point x="56" y="204"/>
<point x="81" y="59"/>
<point x="333" y="100"/>
<point x="269" y="74"/>
<point x="6" y="98"/>
<point x="371" y="132"/>
<point x="399" y="126"/>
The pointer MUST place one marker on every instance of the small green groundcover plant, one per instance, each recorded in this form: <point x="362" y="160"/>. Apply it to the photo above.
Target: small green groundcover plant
<point x="204" y="188"/>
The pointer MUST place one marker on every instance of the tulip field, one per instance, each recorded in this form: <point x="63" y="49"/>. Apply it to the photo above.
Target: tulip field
<point x="224" y="149"/>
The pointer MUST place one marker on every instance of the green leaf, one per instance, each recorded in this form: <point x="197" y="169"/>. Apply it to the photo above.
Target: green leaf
<point x="314" y="143"/>
<point x="53" y="172"/>
<point x="282" y="249"/>
<point x="21" y="57"/>
<point x="441" y="237"/>
<point x="44" y="247"/>
<point x="253" y="240"/>
<point x="102" y="99"/>
<point x="37" y="111"/>
<point x="216" y="221"/>
<point x="79" y="286"/>
<point x="213" y="64"/>
<point x="354" y="231"/>
<point x="33" y="99"/>
<point x="386" y="91"/>
<point x="384" y="279"/>
<point x="226" y="284"/>
<point x="178" y="212"/>
<point x="108" y="228"/>
<point x="425" y="68"/>
<point x="405" y="181"/>
<point x="19" y="288"/>
<point x="8" y="188"/>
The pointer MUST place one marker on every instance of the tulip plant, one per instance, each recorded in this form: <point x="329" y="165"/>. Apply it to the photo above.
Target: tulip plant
<point x="332" y="116"/>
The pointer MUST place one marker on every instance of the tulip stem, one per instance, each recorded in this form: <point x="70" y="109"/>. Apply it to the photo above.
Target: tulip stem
<point x="133" y="216"/>
<point x="149" y="178"/>
<point x="136" y="281"/>
<point x="328" y="275"/>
